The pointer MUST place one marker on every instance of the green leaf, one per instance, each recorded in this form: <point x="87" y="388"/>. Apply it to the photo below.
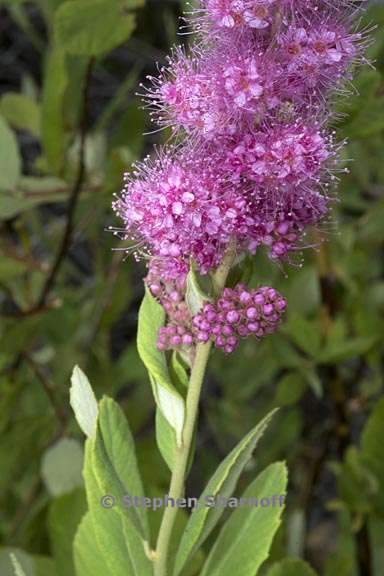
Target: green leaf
<point x="92" y="27"/>
<point x="113" y="540"/>
<point x="245" y="540"/>
<point x="15" y="562"/>
<point x="115" y="462"/>
<point x="7" y="562"/>
<point x="166" y="439"/>
<point x="12" y="204"/>
<point x="304" y="281"/>
<point x="296" y="529"/>
<point x="52" y="113"/>
<point x="241" y="271"/>
<point x="64" y="516"/>
<point x="116" y="537"/>
<point x="169" y="401"/>
<point x="340" y="351"/>
<point x="171" y="405"/>
<point x="44" y="566"/>
<point x="372" y="449"/>
<point x="108" y="526"/>
<point x="128" y="134"/>
<point x="10" y="2"/>
<point x="31" y="192"/>
<point x="357" y="486"/>
<point x="370" y="227"/>
<point x="89" y="560"/>
<point x="368" y="122"/>
<point x="290" y="389"/>
<point x="342" y="559"/>
<point x="151" y="319"/>
<point x="11" y="267"/>
<point x="195" y="294"/>
<point x="21" y="112"/>
<point x="204" y="518"/>
<point x="28" y="434"/>
<point x="131" y="4"/>
<point x="291" y="567"/>
<point x="10" y="162"/>
<point x="133" y="115"/>
<point x="17" y="566"/>
<point x="61" y="466"/>
<point x="305" y="334"/>
<point x="310" y="374"/>
<point x="83" y="402"/>
<point x="376" y="536"/>
<point x="51" y="189"/>
<point x="367" y="83"/>
<point x="178" y="371"/>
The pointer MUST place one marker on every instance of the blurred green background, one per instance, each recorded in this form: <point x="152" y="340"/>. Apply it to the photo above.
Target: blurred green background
<point x="70" y="124"/>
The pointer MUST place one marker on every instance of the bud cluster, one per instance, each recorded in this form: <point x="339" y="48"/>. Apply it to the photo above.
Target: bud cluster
<point x="238" y="313"/>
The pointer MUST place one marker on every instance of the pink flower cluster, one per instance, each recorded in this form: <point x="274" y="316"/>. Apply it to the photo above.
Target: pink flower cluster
<point x="254" y="160"/>
<point x="182" y="207"/>
<point x="240" y="13"/>
<point x="238" y="313"/>
<point x="261" y="187"/>
<point x="282" y="155"/>
<point x="171" y="295"/>
<point x="243" y="73"/>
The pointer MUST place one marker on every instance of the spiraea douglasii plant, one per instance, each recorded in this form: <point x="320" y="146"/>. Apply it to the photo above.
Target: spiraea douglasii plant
<point x="250" y="166"/>
<point x="251" y="163"/>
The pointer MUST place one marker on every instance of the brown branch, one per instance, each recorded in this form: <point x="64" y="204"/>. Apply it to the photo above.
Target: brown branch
<point x="42" y="303"/>
<point x="20" y="313"/>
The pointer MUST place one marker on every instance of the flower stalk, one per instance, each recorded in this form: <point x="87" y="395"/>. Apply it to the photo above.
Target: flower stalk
<point x="182" y="453"/>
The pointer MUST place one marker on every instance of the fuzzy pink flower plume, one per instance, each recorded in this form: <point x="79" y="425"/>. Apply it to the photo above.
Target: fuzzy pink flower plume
<point x="254" y="163"/>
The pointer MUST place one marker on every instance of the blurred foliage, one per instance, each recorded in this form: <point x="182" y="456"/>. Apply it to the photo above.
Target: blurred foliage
<point x="70" y="124"/>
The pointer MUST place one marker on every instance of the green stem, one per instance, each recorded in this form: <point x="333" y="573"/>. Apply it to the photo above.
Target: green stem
<point x="181" y="458"/>
<point x="176" y="489"/>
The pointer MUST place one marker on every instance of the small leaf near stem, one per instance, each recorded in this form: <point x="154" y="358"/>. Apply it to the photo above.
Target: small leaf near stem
<point x="195" y="296"/>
